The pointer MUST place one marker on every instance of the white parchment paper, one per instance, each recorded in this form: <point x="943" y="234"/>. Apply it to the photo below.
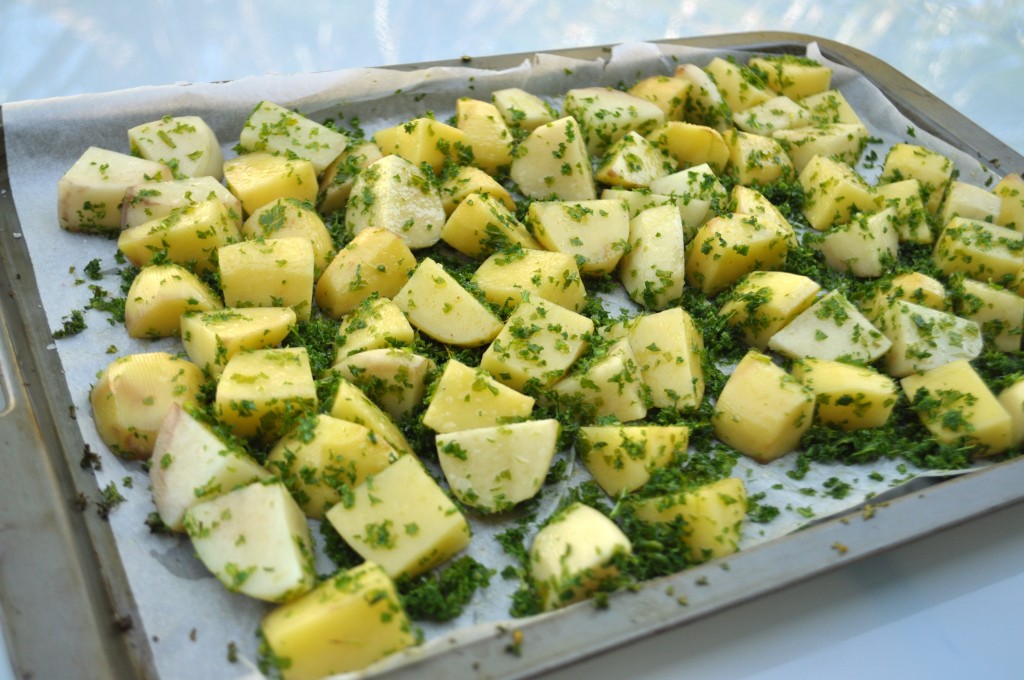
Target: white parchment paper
<point x="188" y="617"/>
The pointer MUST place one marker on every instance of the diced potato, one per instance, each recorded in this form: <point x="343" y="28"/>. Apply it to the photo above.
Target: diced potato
<point x="259" y="177"/>
<point x="829" y="108"/>
<point x="956" y="405"/>
<point x="339" y="177"/>
<point x="610" y="386"/>
<point x="285" y="218"/>
<point x="980" y="250"/>
<point x="706" y="105"/>
<point x="360" y="606"/>
<point x="969" y="201"/>
<point x="832" y="328"/>
<point x="741" y="87"/>
<point x="712" y="516"/>
<point x="537" y="345"/>
<point x="652" y="271"/>
<point x="184" y="143"/>
<point x="843" y="141"/>
<point x="832" y="192"/>
<point x="275" y="272"/>
<point x="324" y="458"/>
<point x="212" y="338"/>
<point x="493" y="469"/>
<point x="90" y="193"/>
<point x="395" y="194"/>
<point x="594" y="232"/>
<point x="438" y="305"/>
<point x="728" y="247"/>
<point x="1010" y="190"/>
<point x="486" y="134"/>
<point x="375" y="261"/>
<point x="763" y="303"/>
<point x="621" y="458"/>
<point x="351" y="404"/>
<point x="605" y="115"/>
<point x="756" y="159"/>
<point x="904" y="197"/>
<point x="915" y="287"/>
<point x="668" y="348"/>
<point x="637" y="200"/>
<point x="425" y="140"/>
<point x="924" y="338"/>
<point x="191" y="464"/>
<point x="690" y="144"/>
<point x="189" y="236"/>
<point x="865" y="247"/>
<point x="256" y="542"/>
<point x="402" y="520"/>
<point x="762" y="411"/>
<point x="999" y="312"/>
<point x="376" y="323"/>
<point x="696" y="191"/>
<point x="752" y="202"/>
<point x="521" y="109"/>
<point x="510" y="277"/>
<point x="133" y="394"/>
<point x="574" y="554"/>
<point x="553" y="162"/>
<point x="777" y="113"/>
<point x="633" y="162"/>
<point x="469" y="180"/>
<point x="793" y="76"/>
<point x="262" y="392"/>
<point x="394" y="379"/>
<point x="156" y="200"/>
<point x="271" y="127"/>
<point x="481" y="225"/>
<point x="466" y="398"/>
<point x="912" y="161"/>
<point x="849" y="397"/>
<point x="158" y="297"/>
<point x="668" y="93"/>
<point x="1012" y="399"/>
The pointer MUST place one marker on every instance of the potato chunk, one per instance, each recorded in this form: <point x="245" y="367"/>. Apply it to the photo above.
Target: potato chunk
<point x="904" y="198"/>
<point x="843" y="141"/>
<point x="833" y="191"/>
<point x="633" y="162"/>
<point x="621" y="457"/>
<point x="574" y="554"/>
<point x="395" y="194"/>
<point x="831" y="328"/>
<point x="469" y="180"/>
<point x="481" y="225"/>
<point x="339" y="177"/>
<point x="376" y="260"/>
<point x="508" y="278"/>
<point x="189" y="236"/>
<point x="653" y="271"/>
<point x="522" y="109"/>
<point x="158" y="297"/>
<point x="956" y="406"/>
<point x="493" y="469"/>
<point x="394" y="379"/>
<point x="212" y="338"/>
<point x="275" y="272"/>
<point x="133" y="395"/>
<point x="865" y="247"/>
<point x="606" y="115"/>
<point x="439" y="306"/>
<point x="537" y="345"/>
<point x="486" y="134"/>
<point x="256" y="542"/>
<point x="793" y="76"/>
<point x="756" y="159"/>
<point x="271" y="127"/>
<point x="262" y="391"/>
<point x="360" y="606"/>
<point x="553" y="162"/>
<point x="351" y="404"/>
<point x="90" y="193"/>
<point x="848" y="397"/>
<point x="741" y="87"/>
<point x="466" y="398"/>
<point x="763" y="303"/>
<point x="324" y="458"/>
<point x="668" y="349"/>
<point x="912" y="161"/>
<point x="981" y="250"/>
<point x="425" y="140"/>
<point x="668" y="93"/>
<point x="287" y="218"/>
<point x="610" y="386"/>
<point x="191" y="464"/>
<point x="712" y="516"/>
<point x="689" y="144"/>
<point x="726" y="248"/>
<point x="762" y="411"/>
<point x="999" y="312"/>
<point x="375" y="324"/>
<point x="924" y="338"/>
<point x="1010" y="190"/>
<point x="259" y="177"/>
<point x="185" y="143"/>
<point x="156" y="200"/>
<point x="402" y="520"/>
<point x="594" y="232"/>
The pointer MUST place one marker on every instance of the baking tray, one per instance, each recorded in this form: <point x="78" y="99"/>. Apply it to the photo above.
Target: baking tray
<point x="68" y="609"/>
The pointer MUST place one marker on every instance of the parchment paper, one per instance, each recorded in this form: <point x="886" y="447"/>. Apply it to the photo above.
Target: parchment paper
<point x="188" y="616"/>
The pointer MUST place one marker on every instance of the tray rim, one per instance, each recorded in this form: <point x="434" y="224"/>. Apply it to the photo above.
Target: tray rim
<point x="37" y="394"/>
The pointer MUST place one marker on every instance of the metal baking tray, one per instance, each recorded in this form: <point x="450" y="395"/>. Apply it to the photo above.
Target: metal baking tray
<point x="68" y="611"/>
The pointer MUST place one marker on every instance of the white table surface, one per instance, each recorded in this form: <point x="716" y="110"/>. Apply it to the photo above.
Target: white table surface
<point x="947" y="606"/>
